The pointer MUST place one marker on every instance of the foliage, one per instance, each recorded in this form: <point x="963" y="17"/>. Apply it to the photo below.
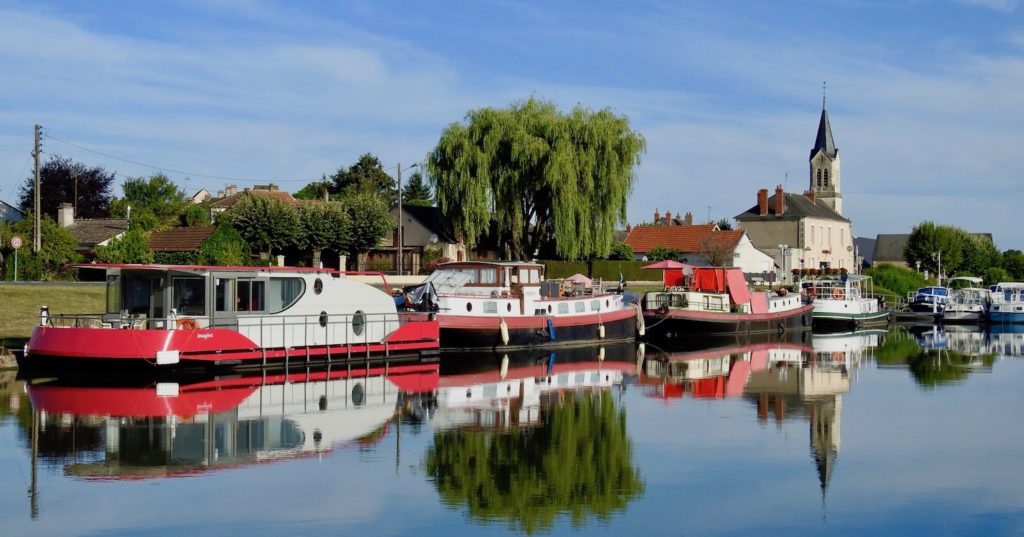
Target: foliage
<point x="716" y="252"/>
<point x="58" y="249"/>
<point x="366" y="175"/>
<point x="225" y="247"/>
<point x="621" y="251"/>
<point x="662" y="253"/>
<point x="899" y="280"/>
<point x="546" y="177"/>
<point x="980" y="254"/>
<point x="132" y="247"/>
<point x="57" y="179"/>
<point x="369" y="222"/>
<point x="417" y="191"/>
<point x="176" y="258"/>
<point x="267" y="223"/>
<point x="1013" y="262"/>
<point x="607" y="270"/>
<point x="928" y="369"/>
<point x="962" y="252"/>
<point x="196" y="216"/>
<point x="724" y="224"/>
<point x="578" y="461"/>
<point x="315" y="190"/>
<point x="995" y="275"/>
<point x="429" y="260"/>
<point x="322" y="226"/>
<point x="156" y="203"/>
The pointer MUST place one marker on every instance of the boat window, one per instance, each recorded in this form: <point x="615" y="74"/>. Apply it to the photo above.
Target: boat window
<point x="318" y="286"/>
<point x="358" y="322"/>
<point x="249" y="295"/>
<point x="581" y="307"/>
<point x="472" y="274"/>
<point x="113" y="294"/>
<point x="595" y="305"/>
<point x="489" y="275"/>
<point x="223" y="292"/>
<point x="563" y="308"/>
<point x="189" y="296"/>
<point x="283" y="293"/>
<point x="490" y="306"/>
<point x="137" y="293"/>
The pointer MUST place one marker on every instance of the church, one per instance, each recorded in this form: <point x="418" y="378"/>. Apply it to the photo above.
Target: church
<point x="805" y="230"/>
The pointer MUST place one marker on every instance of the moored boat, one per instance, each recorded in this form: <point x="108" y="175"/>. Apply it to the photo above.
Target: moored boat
<point x="966" y="304"/>
<point x="929" y="299"/>
<point x="490" y="304"/>
<point x="180" y="316"/>
<point x="714" y="300"/>
<point x="844" y="304"/>
<point x="1006" y="304"/>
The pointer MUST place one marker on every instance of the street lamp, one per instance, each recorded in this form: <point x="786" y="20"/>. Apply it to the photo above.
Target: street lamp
<point x="782" y="252"/>
<point x="937" y="256"/>
<point x="400" y="214"/>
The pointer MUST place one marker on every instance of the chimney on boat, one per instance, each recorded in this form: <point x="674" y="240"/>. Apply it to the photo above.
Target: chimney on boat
<point x="780" y="201"/>
<point x="65" y="214"/>
<point x="762" y="202"/>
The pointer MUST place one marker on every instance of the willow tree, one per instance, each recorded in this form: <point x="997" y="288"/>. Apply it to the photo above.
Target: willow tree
<point x="544" y="176"/>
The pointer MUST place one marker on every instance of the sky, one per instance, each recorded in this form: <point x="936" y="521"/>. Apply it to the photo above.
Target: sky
<point x="923" y="96"/>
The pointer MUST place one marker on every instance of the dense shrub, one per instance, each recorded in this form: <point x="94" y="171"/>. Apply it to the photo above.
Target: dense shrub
<point x="898" y="280"/>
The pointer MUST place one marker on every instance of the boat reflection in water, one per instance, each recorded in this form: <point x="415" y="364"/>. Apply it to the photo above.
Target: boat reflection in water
<point x="162" y="429"/>
<point x="525" y="438"/>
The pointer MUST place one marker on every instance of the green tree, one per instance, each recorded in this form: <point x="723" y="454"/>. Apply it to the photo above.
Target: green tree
<point x="927" y="240"/>
<point x="316" y="189"/>
<point x="417" y="191"/>
<point x="621" y="251"/>
<point x="369" y="222"/>
<point x="196" y="216"/>
<point x="995" y="275"/>
<point x="58" y="249"/>
<point x="156" y="203"/>
<point x="366" y="175"/>
<point x="132" y="247"/>
<point x="59" y="178"/>
<point x="267" y="223"/>
<point x="225" y="247"/>
<point x="1013" y="262"/>
<point x="322" y="226"/>
<point x="546" y="177"/>
<point x="577" y="461"/>
<point x="980" y="254"/>
<point x="662" y="253"/>
<point x="724" y="224"/>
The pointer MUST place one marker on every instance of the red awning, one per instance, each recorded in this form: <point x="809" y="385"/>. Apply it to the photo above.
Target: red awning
<point x="737" y="286"/>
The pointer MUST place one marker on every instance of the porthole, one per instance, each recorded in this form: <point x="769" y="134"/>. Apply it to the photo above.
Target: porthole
<point x="469" y="306"/>
<point x="318" y="286"/>
<point x="606" y="304"/>
<point x="358" y="322"/>
<point x="358" y="394"/>
<point x="508" y="306"/>
<point x="323" y="319"/>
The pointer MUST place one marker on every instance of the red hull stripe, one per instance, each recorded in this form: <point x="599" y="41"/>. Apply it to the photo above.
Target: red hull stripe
<point x="530" y="322"/>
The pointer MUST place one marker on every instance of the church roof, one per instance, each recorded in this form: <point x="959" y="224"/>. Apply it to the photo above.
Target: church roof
<point x="824" y="139"/>
<point x="797" y="206"/>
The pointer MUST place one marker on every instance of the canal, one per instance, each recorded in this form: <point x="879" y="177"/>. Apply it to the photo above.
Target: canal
<point x="898" y="432"/>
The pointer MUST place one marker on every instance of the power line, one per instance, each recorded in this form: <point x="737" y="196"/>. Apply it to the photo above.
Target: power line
<point x="171" y="170"/>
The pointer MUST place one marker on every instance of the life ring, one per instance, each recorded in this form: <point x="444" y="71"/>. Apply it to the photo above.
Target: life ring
<point x="838" y="293"/>
<point x="187" y="324"/>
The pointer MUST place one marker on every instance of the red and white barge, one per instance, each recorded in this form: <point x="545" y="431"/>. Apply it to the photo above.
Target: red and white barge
<point x="489" y="304"/>
<point x="174" y="316"/>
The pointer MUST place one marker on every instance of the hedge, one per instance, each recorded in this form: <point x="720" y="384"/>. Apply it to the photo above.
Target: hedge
<point x="604" y="269"/>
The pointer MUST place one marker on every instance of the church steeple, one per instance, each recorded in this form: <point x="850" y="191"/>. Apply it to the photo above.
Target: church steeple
<point x="824" y="161"/>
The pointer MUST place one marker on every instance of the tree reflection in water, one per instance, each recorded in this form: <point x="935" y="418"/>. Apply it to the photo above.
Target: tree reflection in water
<point x="576" y="460"/>
<point x="933" y="361"/>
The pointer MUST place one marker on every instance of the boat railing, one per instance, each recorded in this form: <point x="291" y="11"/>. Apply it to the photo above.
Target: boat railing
<point x="264" y="330"/>
<point x="664" y="300"/>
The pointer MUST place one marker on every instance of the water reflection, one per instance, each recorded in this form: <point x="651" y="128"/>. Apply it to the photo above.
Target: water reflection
<point x="935" y="355"/>
<point x="524" y="438"/>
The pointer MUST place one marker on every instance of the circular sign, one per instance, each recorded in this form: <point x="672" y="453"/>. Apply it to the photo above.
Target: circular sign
<point x="15" y="242"/>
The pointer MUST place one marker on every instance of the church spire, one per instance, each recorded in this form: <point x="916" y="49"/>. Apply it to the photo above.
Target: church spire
<point x="824" y="139"/>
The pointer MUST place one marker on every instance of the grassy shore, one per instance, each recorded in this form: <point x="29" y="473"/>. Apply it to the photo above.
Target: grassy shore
<point x="19" y="304"/>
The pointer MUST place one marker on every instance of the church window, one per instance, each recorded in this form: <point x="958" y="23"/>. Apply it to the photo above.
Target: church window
<point x="819" y="178"/>
<point x="826" y="178"/>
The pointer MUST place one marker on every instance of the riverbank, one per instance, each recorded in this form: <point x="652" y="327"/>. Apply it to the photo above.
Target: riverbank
<point x="20" y="303"/>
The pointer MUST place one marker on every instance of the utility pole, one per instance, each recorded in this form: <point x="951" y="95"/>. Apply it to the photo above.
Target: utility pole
<point x="400" y="218"/>
<point x="37" y="240"/>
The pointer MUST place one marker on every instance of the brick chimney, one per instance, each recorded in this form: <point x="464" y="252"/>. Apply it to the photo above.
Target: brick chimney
<point x="688" y="219"/>
<point x="780" y="201"/>
<point x="668" y="217"/>
<point x="629" y="228"/>
<point x="230" y="190"/>
<point x="810" y="195"/>
<point x="762" y="202"/>
<point x="65" y="214"/>
<point x="657" y="216"/>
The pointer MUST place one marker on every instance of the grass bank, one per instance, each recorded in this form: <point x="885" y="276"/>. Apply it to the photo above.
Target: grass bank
<point x="19" y="304"/>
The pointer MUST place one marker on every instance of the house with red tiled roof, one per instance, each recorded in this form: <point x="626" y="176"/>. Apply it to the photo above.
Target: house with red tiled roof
<point x="701" y="245"/>
<point x="179" y="239"/>
<point x="232" y="196"/>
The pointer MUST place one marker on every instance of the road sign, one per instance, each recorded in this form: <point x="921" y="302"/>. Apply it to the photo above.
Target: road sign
<point x="15" y="242"/>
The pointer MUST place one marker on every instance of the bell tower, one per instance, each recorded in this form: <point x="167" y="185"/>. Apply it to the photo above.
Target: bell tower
<point x="824" y="163"/>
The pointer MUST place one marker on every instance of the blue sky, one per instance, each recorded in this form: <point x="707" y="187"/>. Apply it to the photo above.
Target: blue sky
<point x="924" y="96"/>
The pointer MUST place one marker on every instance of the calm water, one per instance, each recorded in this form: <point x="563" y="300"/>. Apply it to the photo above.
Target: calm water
<point x="880" y="433"/>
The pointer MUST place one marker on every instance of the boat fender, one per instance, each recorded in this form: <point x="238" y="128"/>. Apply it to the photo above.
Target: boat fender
<point x="600" y="331"/>
<point x="600" y="354"/>
<point x="641" y="329"/>
<point x="641" y="350"/>
<point x="551" y="329"/>
<point x="504" y="367"/>
<point x="504" y="331"/>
